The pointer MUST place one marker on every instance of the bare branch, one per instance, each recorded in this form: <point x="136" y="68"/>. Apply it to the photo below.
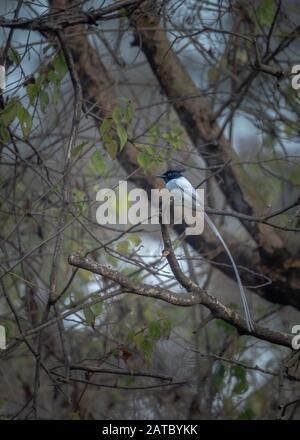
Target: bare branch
<point x="196" y="296"/>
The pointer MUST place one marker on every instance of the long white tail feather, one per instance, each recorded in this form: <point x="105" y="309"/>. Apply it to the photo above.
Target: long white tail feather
<point x="241" y="288"/>
<point x="187" y="187"/>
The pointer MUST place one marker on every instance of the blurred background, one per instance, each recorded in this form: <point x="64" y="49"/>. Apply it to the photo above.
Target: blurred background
<point x="102" y="91"/>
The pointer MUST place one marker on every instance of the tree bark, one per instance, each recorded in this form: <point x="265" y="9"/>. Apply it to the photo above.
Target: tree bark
<point x="270" y="256"/>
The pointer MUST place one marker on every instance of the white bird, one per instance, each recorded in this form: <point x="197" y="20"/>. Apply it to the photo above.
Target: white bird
<point x="175" y="180"/>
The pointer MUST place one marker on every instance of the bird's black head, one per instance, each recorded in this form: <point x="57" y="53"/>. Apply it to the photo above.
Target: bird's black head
<point x="171" y="174"/>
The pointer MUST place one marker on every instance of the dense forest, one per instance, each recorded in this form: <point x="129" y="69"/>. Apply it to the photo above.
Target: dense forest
<point x="136" y="320"/>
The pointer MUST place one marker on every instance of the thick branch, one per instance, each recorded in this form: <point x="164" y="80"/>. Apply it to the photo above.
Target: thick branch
<point x="68" y="16"/>
<point x="197" y="116"/>
<point x="196" y="296"/>
<point x="98" y="92"/>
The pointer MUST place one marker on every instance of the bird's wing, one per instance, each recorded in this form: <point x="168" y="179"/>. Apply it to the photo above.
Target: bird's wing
<point x="184" y="185"/>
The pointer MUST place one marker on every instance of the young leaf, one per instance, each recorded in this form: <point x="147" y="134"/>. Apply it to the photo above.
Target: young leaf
<point x="144" y="345"/>
<point x="97" y="309"/>
<point x="246" y="414"/>
<point x="25" y="119"/>
<point x="14" y="56"/>
<point x="135" y="239"/>
<point x="10" y="111"/>
<point x="44" y="100"/>
<point x="144" y="160"/>
<point x="117" y="115"/>
<point x="106" y="125"/>
<point x="53" y="77"/>
<point x="4" y="133"/>
<point x="60" y="65"/>
<point x="112" y="147"/>
<point x="32" y="92"/>
<point x="219" y="376"/>
<point x="155" y="330"/>
<point x="89" y="316"/>
<point x="76" y="150"/>
<point x="240" y="374"/>
<point x="154" y="134"/>
<point x="122" y="133"/>
<point x="265" y="12"/>
<point x="98" y="162"/>
<point x="129" y="113"/>
<point x="123" y="247"/>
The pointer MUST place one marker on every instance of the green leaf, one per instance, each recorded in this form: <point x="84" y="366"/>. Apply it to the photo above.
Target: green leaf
<point x="144" y="160"/>
<point x="32" y="92"/>
<point x="138" y="340"/>
<point x="25" y="119"/>
<point x="10" y="111"/>
<point x="174" y="138"/>
<point x="247" y="414"/>
<point x="135" y="239"/>
<point x="44" y="100"/>
<point x="166" y="323"/>
<point x="129" y="112"/>
<point x="240" y="374"/>
<point x="219" y="376"/>
<point x="123" y="247"/>
<point x="155" y="332"/>
<point x="76" y="150"/>
<point x="89" y="316"/>
<point x="98" y="162"/>
<point x="53" y="77"/>
<point x="154" y="133"/>
<point x="117" y="115"/>
<point x="265" y="12"/>
<point x="105" y="125"/>
<point x="79" y="196"/>
<point x="122" y="133"/>
<point x="14" y="56"/>
<point x="167" y="327"/>
<point x="4" y="133"/>
<point x="97" y="308"/>
<point x="60" y="65"/>
<point x="112" y="148"/>
<point x="144" y="345"/>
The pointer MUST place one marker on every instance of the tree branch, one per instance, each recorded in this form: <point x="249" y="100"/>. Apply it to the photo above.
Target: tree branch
<point x="196" y="296"/>
<point x="66" y="17"/>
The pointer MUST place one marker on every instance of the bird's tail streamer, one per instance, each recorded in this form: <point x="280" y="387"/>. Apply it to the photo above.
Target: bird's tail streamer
<point x="213" y="227"/>
<point x="241" y="288"/>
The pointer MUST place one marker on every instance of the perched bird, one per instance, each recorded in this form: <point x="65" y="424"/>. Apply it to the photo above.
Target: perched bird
<point x="175" y="180"/>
